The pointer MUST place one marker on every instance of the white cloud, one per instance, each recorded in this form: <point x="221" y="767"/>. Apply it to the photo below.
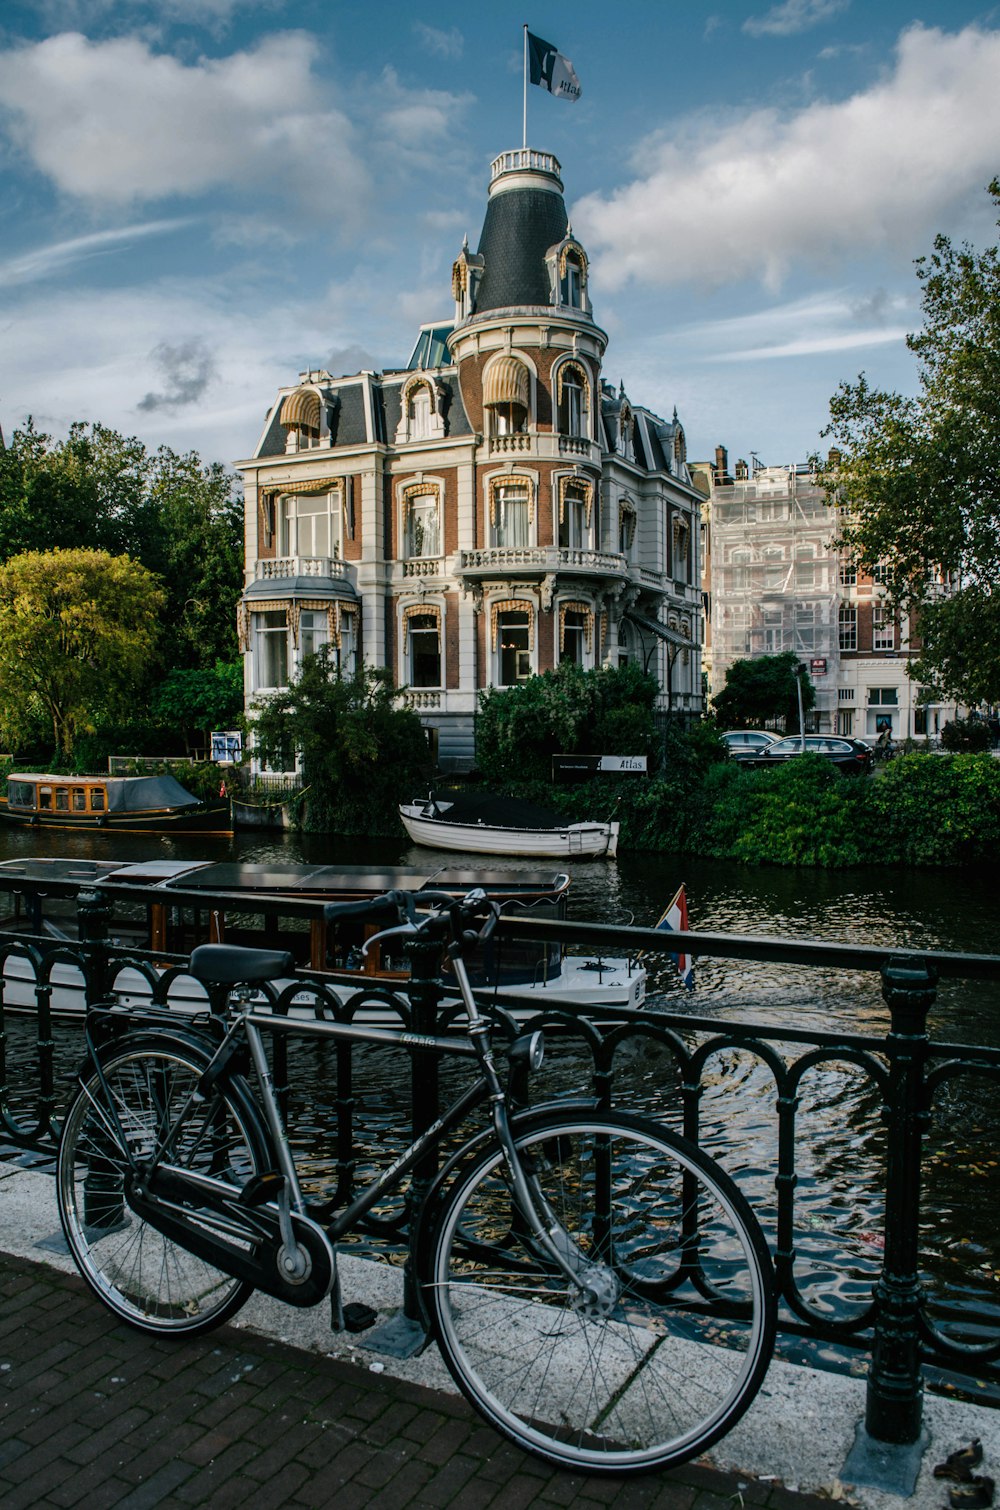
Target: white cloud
<point x="793" y="16"/>
<point x="755" y="196"/>
<point x="443" y="44"/>
<point x="116" y="122"/>
<point x="61" y="255"/>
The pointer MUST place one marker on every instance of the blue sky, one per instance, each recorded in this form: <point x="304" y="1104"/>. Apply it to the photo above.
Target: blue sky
<point x="204" y="197"/>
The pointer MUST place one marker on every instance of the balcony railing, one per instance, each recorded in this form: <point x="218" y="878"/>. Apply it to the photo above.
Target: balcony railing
<point x="301" y="566"/>
<point x="541" y="558"/>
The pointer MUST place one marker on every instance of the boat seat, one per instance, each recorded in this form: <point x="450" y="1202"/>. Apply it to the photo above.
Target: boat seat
<point x="230" y="964"/>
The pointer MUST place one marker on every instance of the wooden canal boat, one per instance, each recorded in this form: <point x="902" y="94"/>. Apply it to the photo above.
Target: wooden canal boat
<point x="138" y="804"/>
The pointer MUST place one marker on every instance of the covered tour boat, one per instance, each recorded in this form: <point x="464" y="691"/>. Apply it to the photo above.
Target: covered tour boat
<point x="164" y="908"/>
<point x="139" y="804"/>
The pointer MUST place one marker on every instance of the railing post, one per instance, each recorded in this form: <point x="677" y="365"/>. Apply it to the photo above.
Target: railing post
<point x="895" y="1386"/>
<point x="405" y="1334"/>
<point x="93" y="913"/>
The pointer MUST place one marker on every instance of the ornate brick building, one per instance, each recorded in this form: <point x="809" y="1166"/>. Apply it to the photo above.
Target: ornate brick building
<point x="490" y="510"/>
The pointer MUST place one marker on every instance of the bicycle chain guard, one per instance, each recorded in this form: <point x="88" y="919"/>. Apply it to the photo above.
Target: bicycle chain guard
<point x="207" y="1218"/>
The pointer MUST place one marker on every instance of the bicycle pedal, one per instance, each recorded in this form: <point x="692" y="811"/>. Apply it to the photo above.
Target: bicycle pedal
<point x="358" y="1317"/>
<point x="262" y="1188"/>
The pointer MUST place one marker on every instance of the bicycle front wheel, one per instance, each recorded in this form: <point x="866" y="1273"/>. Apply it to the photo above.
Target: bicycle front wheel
<point x="143" y="1276"/>
<point x="659" y="1343"/>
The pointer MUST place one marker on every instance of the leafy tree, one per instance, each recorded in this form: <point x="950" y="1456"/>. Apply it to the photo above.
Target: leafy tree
<point x="78" y="631"/>
<point x="567" y="711"/>
<point x="360" y="753"/>
<point x="197" y="548"/>
<point x="103" y="491"/>
<point x="196" y="701"/>
<point x="762" y="690"/>
<point x="918" y="479"/>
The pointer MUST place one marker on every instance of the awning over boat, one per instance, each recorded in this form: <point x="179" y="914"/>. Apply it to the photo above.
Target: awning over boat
<point x="653" y="626"/>
<point x="141" y="794"/>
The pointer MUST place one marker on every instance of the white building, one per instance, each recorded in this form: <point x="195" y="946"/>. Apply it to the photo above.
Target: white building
<point x="492" y="509"/>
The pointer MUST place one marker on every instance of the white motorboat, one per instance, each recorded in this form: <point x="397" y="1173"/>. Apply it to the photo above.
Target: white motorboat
<point x="482" y="824"/>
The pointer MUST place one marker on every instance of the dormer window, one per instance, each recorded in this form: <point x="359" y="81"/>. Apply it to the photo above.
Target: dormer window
<point x="420" y="417"/>
<point x="418" y="412"/>
<point x="571" y="280"/>
<point x="301" y="419"/>
<point x="567" y="264"/>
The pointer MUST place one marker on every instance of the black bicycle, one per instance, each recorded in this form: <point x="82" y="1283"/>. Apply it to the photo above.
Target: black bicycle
<point x="599" y="1289"/>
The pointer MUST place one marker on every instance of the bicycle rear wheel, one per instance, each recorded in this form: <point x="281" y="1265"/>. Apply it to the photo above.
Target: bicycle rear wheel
<point x="671" y="1342"/>
<point x="142" y="1275"/>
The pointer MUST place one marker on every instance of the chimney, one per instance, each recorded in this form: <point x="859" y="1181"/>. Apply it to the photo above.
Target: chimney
<point x="721" y="464"/>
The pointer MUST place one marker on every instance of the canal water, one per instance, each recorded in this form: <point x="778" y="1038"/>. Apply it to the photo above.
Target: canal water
<point x="841" y="1147"/>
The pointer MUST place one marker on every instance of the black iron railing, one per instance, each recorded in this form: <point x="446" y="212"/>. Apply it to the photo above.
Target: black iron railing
<point x="904" y="1069"/>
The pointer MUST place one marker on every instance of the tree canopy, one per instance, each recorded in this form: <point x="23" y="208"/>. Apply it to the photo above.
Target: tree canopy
<point x="918" y="479"/>
<point x="78" y="631"/>
<point x="567" y="711"/>
<point x="762" y="690"/>
<point x="360" y="753"/>
<point x="100" y="490"/>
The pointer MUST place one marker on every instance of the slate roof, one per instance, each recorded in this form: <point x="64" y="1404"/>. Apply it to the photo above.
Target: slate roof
<point x="520" y="226"/>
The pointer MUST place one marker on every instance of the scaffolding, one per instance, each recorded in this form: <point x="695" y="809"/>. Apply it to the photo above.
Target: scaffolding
<point x="774" y="578"/>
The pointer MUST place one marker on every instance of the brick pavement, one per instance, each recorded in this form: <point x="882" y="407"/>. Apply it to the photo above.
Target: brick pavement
<point x="94" y="1413"/>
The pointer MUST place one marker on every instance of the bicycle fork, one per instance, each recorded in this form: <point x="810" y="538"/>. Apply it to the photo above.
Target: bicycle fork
<point x="596" y="1285"/>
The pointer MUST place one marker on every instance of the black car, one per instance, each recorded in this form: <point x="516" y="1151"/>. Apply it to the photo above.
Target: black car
<point x="850" y="755"/>
<point x="746" y="744"/>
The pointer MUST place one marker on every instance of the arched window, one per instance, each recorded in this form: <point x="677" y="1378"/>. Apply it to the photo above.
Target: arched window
<point x="507" y="395"/>
<point x="572" y="275"/>
<point x="572" y="400"/>
<point x="422" y="645"/>
<point x="576" y="633"/>
<point x="575" y="497"/>
<point x="421" y="522"/>
<point x="513" y="635"/>
<point x="510" y="512"/>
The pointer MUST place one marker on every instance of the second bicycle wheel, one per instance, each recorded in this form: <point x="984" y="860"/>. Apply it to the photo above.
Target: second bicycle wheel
<point x="142" y="1275"/>
<point x="668" y="1342"/>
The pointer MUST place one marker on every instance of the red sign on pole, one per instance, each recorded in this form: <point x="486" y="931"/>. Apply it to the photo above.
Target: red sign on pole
<point x="818" y="665"/>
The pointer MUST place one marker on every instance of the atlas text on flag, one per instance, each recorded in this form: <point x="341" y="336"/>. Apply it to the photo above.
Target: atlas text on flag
<point x="551" y="70"/>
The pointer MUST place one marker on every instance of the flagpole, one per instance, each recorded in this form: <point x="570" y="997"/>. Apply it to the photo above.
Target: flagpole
<point x="524" y="131"/>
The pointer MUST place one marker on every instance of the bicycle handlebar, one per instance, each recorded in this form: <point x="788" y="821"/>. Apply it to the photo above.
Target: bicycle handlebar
<point x="399" y="908"/>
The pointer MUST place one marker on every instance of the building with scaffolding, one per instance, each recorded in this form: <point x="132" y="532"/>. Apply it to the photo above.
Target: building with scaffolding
<point x="775" y="583"/>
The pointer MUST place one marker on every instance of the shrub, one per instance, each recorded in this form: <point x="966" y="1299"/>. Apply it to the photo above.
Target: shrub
<point x="969" y="734"/>
<point x="937" y="810"/>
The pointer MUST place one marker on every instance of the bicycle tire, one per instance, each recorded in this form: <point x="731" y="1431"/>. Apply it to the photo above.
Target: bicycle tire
<point x="144" y="1277"/>
<point x="681" y="1331"/>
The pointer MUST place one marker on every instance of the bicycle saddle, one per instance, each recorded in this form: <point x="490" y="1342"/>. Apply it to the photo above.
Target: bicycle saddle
<point x="229" y="964"/>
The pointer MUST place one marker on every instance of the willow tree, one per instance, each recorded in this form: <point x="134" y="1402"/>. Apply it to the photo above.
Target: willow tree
<point x="918" y="478"/>
<point x="78" y="635"/>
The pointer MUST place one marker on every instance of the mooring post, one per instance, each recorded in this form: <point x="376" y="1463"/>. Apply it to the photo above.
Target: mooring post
<point x="895" y="1387"/>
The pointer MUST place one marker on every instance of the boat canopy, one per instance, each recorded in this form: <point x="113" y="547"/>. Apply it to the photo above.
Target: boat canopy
<point x="142" y="794"/>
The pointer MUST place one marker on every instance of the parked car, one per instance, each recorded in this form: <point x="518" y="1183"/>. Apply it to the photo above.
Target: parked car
<point x="850" y="755"/>
<point x="744" y="744"/>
